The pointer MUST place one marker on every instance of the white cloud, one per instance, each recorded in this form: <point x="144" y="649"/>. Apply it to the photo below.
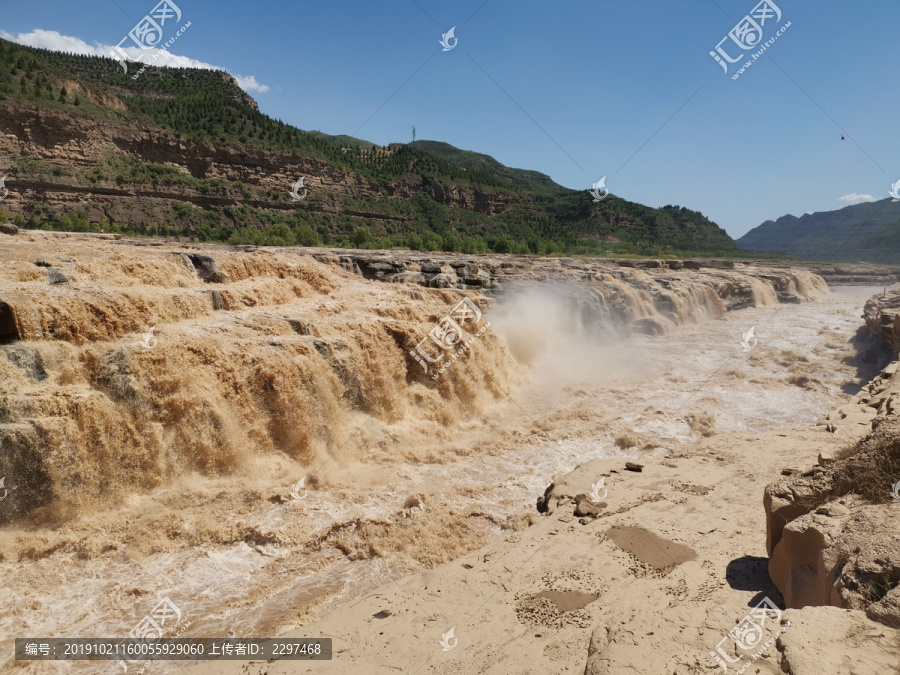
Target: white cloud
<point x="250" y="84"/>
<point x="50" y="39"/>
<point x="856" y="199"/>
<point x="57" y="42"/>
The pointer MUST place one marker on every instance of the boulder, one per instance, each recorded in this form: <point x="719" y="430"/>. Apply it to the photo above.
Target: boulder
<point x="827" y="456"/>
<point x="847" y="557"/>
<point x="585" y="507"/>
<point x="56" y="276"/>
<point x="786" y="501"/>
<point x="800" y="567"/>
<point x="206" y="267"/>
<point x="9" y="228"/>
<point x="546" y="503"/>
<point x="442" y="281"/>
<point x="886" y="610"/>
<point x="376" y="270"/>
<point x="598" y="663"/>
<point x="473" y="276"/>
<point x="720" y="264"/>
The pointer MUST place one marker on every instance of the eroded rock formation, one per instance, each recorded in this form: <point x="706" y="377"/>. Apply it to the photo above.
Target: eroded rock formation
<point x="830" y="542"/>
<point x="882" y="314"/>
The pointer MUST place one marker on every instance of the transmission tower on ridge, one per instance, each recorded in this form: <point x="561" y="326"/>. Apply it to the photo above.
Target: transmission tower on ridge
<point x="414" y="134"/>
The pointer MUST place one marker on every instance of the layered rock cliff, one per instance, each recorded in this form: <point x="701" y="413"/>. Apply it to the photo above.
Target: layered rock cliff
<point x="882" y="315"/>
<point x="186" y="152"/>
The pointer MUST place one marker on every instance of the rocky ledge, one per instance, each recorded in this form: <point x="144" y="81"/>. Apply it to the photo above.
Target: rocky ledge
<point x="448" y="270"/>
<point x="490" y="271"/>
<point x="48" y="291"/>
<point x="833" y="532"/>
<point x="642" y="296"/>
<point x="882" y="315"/>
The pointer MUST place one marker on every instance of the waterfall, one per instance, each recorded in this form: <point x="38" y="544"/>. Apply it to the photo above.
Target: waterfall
<point x="272" y="356"/>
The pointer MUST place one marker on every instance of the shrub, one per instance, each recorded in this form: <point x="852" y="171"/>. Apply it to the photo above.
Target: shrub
<point x="872" y="466"/>
<point x="361" y="237"/>
<point x="306" y="236"/>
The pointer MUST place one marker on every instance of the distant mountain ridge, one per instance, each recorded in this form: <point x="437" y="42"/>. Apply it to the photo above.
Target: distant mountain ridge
<point x="185" y="152"/>
<point x="868" y="232"/>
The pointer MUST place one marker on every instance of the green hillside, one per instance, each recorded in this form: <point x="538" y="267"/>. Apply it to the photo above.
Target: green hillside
<point x="429" y="196"/>
<point x="868" y="232"/>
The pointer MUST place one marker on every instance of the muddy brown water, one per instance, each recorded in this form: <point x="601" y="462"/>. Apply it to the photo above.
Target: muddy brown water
<point x="241" y="556"/>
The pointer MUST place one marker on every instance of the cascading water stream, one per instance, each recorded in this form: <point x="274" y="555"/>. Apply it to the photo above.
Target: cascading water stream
<point x="140" y="472"/>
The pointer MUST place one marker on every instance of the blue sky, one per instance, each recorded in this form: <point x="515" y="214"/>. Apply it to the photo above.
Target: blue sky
<point x="573" y="89"/>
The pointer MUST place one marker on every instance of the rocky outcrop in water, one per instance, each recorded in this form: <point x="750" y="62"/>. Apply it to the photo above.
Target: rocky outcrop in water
<point x="641" y="296"/>
<point x="882" y="315"/>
